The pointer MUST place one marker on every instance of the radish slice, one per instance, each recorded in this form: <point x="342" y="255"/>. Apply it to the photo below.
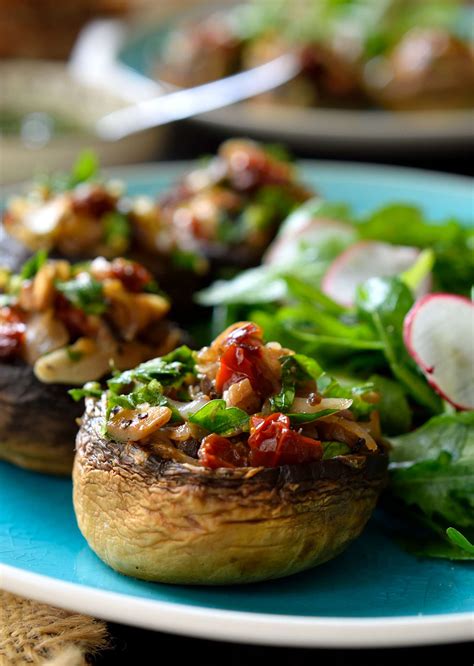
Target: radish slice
<point x="364" y="260"/>
<point x="439" y="334"/>
<point x="310" y="231"/>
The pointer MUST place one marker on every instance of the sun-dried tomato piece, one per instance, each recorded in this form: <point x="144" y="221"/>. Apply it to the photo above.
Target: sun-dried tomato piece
<point x="272" y="443"/>
<point x="249" y="166"/>
<point x="131" y="274"/>
<point x="12" y="332"/>
<point x="242" y="359"/>
<point x="93" y="201"/>
<point x="216" y="451"/>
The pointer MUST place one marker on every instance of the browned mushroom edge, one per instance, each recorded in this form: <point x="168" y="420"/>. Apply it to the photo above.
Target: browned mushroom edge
<point x="166" y="521"/>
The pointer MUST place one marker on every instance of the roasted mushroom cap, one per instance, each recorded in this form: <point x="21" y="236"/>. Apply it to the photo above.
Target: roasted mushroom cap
<point x="37" y="421"/>
<point x="49" y="344"/>
<point x="177" y="522"/>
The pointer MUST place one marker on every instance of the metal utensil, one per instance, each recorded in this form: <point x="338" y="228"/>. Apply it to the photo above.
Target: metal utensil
<point x="200" y="99"/>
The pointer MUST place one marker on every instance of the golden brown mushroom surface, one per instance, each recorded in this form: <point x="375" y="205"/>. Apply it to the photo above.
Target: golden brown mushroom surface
<point x="158" y="495"/>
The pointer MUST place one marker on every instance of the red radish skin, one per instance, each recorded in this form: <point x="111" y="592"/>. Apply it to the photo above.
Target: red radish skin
<point x="449" y="308"/>
<point x="278" y="250"/>
<point x="364" y="260"/>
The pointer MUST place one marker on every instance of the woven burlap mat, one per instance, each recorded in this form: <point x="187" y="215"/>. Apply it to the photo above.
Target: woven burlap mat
<point x="35" y="633"/>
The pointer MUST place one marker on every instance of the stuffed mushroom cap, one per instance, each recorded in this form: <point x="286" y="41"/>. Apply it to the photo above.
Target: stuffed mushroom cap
<point x="229" y="209"/>
<point x="62" y="325"/>
<point x="162" y="497"/>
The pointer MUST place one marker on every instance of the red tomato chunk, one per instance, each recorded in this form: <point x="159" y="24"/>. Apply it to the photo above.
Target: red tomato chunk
<point x="273" y="443"/>
<point x="12" y="331"/>
<point x="133" y="276"/>
<point x="242" y="359"/>
<point x="216" y="451"/>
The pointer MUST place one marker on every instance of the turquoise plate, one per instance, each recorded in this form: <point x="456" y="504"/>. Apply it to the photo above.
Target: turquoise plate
<point x="375" y="594"/>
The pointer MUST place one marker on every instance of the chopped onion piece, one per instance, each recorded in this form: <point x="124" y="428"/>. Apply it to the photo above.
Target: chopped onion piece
<point x="302" y="405"/>
<point x="185" y="409"/>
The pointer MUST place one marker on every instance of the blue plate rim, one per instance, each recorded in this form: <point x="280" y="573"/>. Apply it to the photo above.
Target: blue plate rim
<point x="244" y="626"/>
<point x="239" y="626"/>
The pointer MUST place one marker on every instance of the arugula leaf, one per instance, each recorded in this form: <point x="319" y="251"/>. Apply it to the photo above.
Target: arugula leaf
<point x="308" y="293"/>
<point x="304" y="265"/>
<point x="170" y="370"/>
<point x="85" y="293"/>
<point x="216" y="417"/>
<point x="459" y="540"/>
<point x="385" y="302"/>
<point x="33" y="264"/>
<point x="436" y="546"/>
<point x="89" y="390"/>
<point x="453" y="433"/>
<point x="433" y="469"/>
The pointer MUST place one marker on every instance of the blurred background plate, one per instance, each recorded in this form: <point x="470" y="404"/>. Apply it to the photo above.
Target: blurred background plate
<point x="46" y="119"/>
<point x="341" y="130"/>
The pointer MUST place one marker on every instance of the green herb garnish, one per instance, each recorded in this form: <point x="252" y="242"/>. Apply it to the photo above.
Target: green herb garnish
<point x="85" y="293"/>
<point x="117" y="231"/>
<point x="217" y="418"/>
<point x="32" y="265"/>
<point x="169" y="370"/>
<point x="89" y="390"/>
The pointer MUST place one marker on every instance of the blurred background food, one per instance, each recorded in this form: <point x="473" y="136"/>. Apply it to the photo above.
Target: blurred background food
<point x="356" y="53"/>
<point x="363" y="63"/>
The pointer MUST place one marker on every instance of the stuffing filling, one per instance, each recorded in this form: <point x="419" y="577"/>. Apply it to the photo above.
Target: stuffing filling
<point x="239" y="198"/>
<point x="88" y="219"/>
<point x="241" y="195"/>
<point x="70" y="322"/>
<point x="238" y="403"/>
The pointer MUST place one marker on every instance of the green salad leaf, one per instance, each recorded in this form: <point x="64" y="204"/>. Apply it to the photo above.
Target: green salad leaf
<point x="460" y="541"/>
<point x="432" y="469"/>
<point x="385" y="302"/>
<point x="217" y="418"/>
